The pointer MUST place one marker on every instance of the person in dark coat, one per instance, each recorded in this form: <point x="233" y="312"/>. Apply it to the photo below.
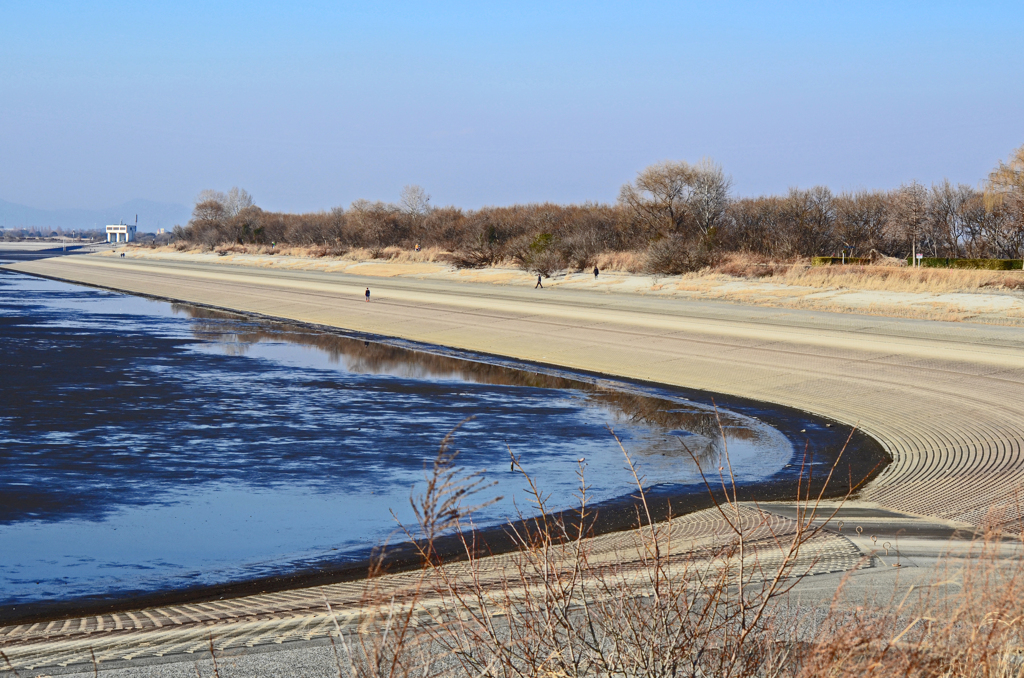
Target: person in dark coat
<point x="538" y="284"/>
<point x="367" y="295"/>
<point x="595" y="272"/>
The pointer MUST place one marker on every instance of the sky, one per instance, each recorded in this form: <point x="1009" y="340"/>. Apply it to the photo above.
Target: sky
<point x="313" y="105"/>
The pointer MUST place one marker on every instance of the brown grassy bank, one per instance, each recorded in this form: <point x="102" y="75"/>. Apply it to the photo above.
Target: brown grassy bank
<point x="882" y="276"/>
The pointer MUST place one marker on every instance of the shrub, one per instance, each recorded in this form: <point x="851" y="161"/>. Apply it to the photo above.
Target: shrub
<point x="554" y="608"/>
<point x="983" y="264"/>
<point x="832" y="261"/>
<point x="676" y="254"/>
<point x="658" y="607"/>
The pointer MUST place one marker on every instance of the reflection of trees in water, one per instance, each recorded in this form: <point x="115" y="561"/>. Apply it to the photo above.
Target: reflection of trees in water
<point x="706" y="429"/>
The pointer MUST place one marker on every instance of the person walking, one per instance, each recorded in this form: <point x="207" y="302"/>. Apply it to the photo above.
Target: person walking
<point x="367" y="295"/>
<point x="539" y="284"/>
<point x="595" y="272"/>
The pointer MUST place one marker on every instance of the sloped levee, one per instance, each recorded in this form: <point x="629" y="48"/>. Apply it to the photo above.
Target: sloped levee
<point x="158" y="452"/>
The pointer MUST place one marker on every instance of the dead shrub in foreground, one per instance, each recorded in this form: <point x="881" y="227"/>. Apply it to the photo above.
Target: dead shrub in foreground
<point x="557" y="605"/>
<point x="966" y="621"/>
<point x="560" y="606"/>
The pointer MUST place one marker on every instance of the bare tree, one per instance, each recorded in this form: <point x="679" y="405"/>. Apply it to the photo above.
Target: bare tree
<point x="414" y="201"/>
<point x="660" y="196"/>
<point x="678" y="197"/>
<point x="208" y="219"/>
<point x="757" y="226"/>
<point x="445" y="227"/>
<point x="709" y="196"/>
<point x="210" y="195"/>
<point x="377" y="224"/>
<point x="809" y="217"/>
<point x="1006" y="182"/>
<point x="237" y="200"/>
<point x="860" y="221"/>
<point x="1004" y="193"/>
<point x="208" y="211"/>
<point x="950" y="219"/>
<point x="908" y="214"/>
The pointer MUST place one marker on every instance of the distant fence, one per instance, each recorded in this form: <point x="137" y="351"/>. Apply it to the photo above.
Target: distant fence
<point x="984" y="264"/>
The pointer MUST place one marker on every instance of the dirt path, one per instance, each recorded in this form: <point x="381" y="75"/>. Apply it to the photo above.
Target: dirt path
<point x="953" y="296"/>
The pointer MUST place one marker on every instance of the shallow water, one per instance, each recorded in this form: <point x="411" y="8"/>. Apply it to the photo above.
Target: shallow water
<point x="146" y="446"/>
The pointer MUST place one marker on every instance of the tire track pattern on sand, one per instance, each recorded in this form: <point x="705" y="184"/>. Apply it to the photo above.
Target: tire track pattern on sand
<point x="302" y="614"/>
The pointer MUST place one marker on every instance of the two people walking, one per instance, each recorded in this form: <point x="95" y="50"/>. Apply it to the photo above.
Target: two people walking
<point x="541" y="285"/>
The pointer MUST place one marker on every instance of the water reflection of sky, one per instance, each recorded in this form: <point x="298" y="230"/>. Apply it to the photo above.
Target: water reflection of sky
<point x="145" y="446"/>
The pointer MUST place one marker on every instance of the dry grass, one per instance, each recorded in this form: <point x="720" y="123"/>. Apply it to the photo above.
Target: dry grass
<point x="904" y="279"/>
<point x="398" y="255"/>
<point x="748" y="266"/>
<point x="885" y="278"/>
<point x="554" y="609"/>
<point x="966" y="621"/>
<point x="622" y="262"/>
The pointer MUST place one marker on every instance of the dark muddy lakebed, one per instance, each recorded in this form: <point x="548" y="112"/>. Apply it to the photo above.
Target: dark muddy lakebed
<point x="150" y="448"/>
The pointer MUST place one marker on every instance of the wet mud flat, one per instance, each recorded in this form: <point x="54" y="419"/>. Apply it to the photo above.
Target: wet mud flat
<point x="114" y="410"/>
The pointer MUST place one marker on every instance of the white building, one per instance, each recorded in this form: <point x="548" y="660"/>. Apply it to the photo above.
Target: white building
<point x="121" y="233"/>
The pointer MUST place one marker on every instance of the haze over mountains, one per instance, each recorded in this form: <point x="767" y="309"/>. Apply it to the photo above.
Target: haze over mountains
<point x="152" y="216"/>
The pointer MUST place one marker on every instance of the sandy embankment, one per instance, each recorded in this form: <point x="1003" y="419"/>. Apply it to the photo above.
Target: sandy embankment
<point x="943" y="398"/>
<point x="994" y="305"/>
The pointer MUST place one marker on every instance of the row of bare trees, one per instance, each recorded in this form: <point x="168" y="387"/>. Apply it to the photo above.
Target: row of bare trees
<point x="677" y="216"/>
<point x="944" y="221"/>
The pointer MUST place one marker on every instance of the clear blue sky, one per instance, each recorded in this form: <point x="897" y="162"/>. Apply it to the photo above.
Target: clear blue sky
<point x="312" y="105"/>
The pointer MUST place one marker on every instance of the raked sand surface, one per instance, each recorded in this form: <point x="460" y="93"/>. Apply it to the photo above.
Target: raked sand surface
<point x="946" y="399"/>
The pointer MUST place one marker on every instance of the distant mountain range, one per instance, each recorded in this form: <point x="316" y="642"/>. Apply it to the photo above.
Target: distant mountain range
<point x="152" y="215"/>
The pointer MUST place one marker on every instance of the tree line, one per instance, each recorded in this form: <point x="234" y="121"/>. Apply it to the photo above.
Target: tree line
<point x="675" y="216"/>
